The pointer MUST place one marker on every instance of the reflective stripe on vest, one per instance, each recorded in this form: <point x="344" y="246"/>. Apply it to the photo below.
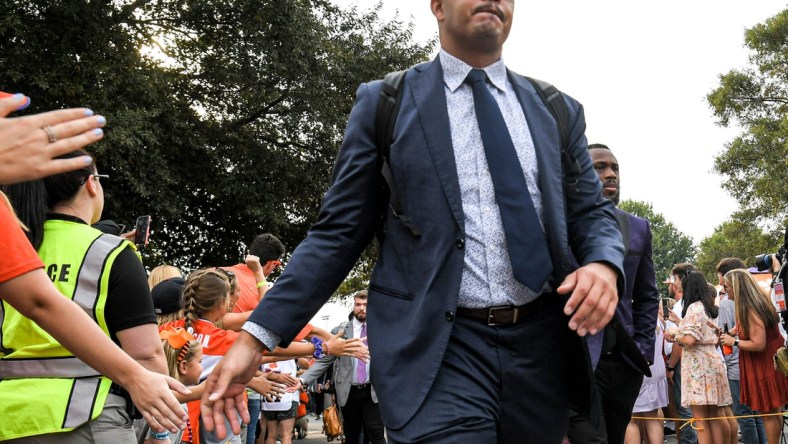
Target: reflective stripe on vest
<point x="86" y="292"/>
<point x="43" y="387"/>
<point x="66" y="367"/>
<point x="80" y="402"/>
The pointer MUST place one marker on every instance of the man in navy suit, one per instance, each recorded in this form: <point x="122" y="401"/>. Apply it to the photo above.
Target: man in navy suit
<point x="467" y="347"/>
<point x="618" y="378"/>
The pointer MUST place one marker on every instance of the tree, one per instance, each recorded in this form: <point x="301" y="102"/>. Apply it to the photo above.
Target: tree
<point x="669" y="246"/>
<point x="734" y="238"/>
<point x="223" y="117"/>
<point x="756" y="98"/>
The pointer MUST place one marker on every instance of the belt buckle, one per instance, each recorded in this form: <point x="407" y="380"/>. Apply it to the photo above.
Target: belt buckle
<point x="491" y="313"/>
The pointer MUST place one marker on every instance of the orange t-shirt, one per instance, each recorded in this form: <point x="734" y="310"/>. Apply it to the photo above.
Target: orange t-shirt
<point x="247" y="283"/>
<point x="18" y="256"/>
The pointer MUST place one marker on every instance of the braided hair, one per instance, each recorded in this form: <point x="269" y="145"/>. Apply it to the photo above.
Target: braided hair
<point x="204" y="289"/>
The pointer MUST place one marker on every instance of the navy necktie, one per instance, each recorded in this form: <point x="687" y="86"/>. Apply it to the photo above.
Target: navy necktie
<point x="525" y="239"/>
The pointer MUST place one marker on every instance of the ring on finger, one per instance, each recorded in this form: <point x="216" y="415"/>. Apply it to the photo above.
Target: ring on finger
<point x="50" y="133"/>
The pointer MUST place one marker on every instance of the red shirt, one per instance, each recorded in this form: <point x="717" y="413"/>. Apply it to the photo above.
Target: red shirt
<point x="247" y="283"/>
<point x="17" y="256"/>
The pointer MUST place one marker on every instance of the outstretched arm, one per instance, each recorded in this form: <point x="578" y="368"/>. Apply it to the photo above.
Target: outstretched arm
<point x="33" y="295"/>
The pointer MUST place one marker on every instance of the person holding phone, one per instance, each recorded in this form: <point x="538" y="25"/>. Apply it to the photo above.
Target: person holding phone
<point x="103" y="274"/>
<point x="28" y="152"/>
<point x="757" y="336"/>
<point x="704" y="384"/>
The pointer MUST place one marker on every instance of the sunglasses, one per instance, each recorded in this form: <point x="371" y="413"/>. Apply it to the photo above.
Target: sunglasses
<point x="96" y="175"/>
<point x="228" y="274"/>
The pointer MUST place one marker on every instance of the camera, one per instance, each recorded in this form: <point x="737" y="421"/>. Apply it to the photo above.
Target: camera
<point x="766" y="261"/>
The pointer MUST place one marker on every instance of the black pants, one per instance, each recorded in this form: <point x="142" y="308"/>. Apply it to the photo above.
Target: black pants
<point x="361" y="413"/>
<point x="618" y="385"/>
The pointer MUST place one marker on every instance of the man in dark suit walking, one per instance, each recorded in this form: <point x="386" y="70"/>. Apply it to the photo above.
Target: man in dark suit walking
<point x="476" y="317"/>
<point x="355" y="395"/>
<point x="618" y="379"/>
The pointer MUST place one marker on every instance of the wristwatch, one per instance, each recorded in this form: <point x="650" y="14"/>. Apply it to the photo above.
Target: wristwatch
<point x="736" y="342"/>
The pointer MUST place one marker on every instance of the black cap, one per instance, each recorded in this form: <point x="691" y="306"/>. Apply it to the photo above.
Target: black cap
<point x="108" y="226"/>
<point x="167" y="296"/>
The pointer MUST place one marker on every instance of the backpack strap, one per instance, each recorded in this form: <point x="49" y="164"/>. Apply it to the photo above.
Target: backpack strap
<point x="385" y="120"/>
<point x="623" y="225"/>
<point x="555" y="103"/>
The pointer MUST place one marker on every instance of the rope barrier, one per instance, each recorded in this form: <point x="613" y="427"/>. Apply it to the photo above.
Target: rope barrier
<point x="691" y="421"/>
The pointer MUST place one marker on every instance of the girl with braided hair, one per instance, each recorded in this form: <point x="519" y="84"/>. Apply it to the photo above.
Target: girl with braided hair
<point x="206" y="297"/>
<point x="184" y="362"/>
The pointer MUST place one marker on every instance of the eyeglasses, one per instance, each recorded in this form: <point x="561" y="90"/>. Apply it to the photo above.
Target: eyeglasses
<point x="96" y="175"/>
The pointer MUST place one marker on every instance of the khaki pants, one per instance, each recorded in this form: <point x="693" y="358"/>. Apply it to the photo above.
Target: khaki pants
<point x="113" y="425"/>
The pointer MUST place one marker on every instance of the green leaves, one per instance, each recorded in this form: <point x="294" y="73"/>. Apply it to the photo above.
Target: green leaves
<point x="755" y="98"/>
<point x="224" y="117"/>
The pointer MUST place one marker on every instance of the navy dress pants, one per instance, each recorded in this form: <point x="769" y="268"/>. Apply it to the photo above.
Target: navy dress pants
<point x="502" y="384"/>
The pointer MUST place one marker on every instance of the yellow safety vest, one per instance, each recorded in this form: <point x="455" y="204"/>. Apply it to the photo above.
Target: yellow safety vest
<point x="43" y="387"/>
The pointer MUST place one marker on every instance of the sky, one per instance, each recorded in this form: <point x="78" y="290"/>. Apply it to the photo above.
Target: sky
<point x="642" y="71"/>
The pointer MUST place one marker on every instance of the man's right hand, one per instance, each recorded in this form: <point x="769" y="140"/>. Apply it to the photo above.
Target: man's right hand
<point x="225" y="386"/>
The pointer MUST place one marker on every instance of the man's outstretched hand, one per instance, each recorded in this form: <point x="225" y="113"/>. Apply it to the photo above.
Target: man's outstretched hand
<point x="225" y="386"/>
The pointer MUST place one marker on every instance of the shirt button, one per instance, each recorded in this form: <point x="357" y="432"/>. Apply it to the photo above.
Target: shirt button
<point x="449" y="316"/>
<point x="460" y="243"/>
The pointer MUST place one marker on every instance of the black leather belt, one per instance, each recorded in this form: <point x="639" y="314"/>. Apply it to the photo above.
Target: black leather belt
<point x="503" y="314"/>
<point x="360" y="386"/>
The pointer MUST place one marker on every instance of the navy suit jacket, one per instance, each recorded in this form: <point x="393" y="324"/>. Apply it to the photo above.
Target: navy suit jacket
<point x="638" y="307"/>
<point x="414" y="287"/>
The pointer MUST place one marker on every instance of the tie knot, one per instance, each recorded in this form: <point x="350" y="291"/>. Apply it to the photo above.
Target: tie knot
<point x="476" y="76"/>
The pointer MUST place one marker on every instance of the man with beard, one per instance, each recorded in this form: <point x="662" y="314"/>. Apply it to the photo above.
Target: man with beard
<point x="355" y="394"/>
<point x="618" y="379"/>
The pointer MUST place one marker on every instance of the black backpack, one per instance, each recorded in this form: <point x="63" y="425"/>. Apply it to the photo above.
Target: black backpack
<point x="386" y="118"/>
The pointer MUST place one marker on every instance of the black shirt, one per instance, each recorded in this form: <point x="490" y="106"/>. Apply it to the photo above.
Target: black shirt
<point x="129" y="303"/>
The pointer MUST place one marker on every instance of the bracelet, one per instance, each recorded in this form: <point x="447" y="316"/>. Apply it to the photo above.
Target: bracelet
<point x="261" y="284"/>
<point x="326" y="351"/>
<point x="318" y="343"/>
<point x="160" y="435"/>
<point x="669" y="368"/>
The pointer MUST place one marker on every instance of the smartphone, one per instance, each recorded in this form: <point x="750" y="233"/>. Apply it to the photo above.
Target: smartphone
<point x="665" y="309"/>
<point x="3" y="95"/>
<point x="143" y="230"/>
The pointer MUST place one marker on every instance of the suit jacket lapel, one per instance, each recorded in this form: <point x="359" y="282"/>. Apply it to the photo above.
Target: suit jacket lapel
<point x="427" y="88"/>
<point x="349" y="330"/>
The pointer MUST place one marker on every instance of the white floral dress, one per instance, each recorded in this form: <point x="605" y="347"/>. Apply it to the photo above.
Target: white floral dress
<point x="704" y="380"/>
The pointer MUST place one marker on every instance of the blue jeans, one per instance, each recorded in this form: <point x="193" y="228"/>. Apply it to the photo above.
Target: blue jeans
<point x="752" y="431"/>
<point x="688" y="434"/>
<point x="254" y="416"/>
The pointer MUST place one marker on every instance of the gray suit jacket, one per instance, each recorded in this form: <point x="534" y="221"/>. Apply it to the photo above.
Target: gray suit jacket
<point x="343" y="370"/>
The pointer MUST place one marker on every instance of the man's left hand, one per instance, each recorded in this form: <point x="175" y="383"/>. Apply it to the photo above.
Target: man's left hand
<point x="225" y="386"/>
<point x="594" y="297"/>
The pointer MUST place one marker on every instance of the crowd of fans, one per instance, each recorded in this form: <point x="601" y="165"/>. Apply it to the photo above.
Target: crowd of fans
<point x="128" y="328"/>
<point x="712" y="365"/>
<point x="714" y="356"/>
